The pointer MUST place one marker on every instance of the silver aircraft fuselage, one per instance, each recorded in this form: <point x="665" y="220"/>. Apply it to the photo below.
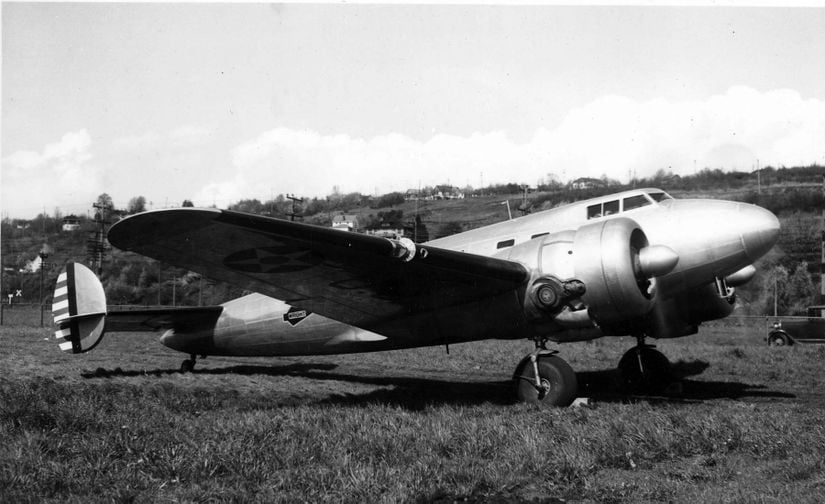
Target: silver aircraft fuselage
<point x="716" y="241"/>
<point x="713" y="238"/>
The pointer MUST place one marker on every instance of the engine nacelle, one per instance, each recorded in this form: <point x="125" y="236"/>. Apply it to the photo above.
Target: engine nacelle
<point x="607" y="268"/>
<point x="612" y="258"/>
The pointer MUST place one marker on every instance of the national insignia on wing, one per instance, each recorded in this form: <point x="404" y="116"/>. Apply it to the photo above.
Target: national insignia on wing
<point x="280" y="259"/>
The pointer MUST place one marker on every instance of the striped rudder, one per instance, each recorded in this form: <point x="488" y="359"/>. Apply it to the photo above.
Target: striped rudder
<point x="79" y="309"/>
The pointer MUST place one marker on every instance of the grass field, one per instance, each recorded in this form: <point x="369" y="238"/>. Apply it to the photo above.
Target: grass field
<point x="121" y="424"/>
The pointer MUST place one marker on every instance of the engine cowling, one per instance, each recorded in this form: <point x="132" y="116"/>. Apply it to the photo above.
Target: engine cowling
<point x="607" y="268"/>
<point x="612" y="258"/>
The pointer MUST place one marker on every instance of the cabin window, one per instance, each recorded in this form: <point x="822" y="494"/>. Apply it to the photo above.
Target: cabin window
<point x="506" y="243"/>
<point x="659" y="196"/>
<point x="537" y="235"/>
<point x="611" y="207"/>
<point x="635" y="202"/>
<point x="594" y="211"/>
<point x="601" y="209"/>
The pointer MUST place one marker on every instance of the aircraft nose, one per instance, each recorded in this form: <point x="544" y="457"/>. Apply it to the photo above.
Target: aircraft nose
<point x="759" y="229"/>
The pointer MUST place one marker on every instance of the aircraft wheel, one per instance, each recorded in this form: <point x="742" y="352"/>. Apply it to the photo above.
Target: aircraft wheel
<point x="558" y="382"/>
<point x="644" y="370"/>
<point x="187" y="366"/>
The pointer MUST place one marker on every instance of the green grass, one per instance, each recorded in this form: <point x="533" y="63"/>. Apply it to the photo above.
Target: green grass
<point x="410" y="426"/>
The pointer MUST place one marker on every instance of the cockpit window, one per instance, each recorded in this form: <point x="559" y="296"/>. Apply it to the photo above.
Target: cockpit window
<point x="635" y="202"/>
<point x="659" y="196"/>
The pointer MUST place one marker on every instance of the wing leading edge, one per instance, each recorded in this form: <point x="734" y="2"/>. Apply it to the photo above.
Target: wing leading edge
<point x="354" y="278"/>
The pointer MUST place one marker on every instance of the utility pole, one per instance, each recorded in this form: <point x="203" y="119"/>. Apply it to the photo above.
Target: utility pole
<point x="822" y="257"/>
<point x="524" y="208"/>
<point x="96" y="244"/>
<point x="44" y="254"/>
<point x="293" y="213"/>
<point x="775" y="294"/>
<point x="416" y="219"/>
<point x="758" y="179"/>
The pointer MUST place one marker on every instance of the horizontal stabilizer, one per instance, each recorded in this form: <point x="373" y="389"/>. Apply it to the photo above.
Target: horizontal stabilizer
<point x="79" y="309"/>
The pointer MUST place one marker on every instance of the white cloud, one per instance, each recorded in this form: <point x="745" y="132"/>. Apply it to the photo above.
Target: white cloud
<point x="61" y="174"/>
<point x="73" y="148"/>
<point x="612" y="135"/>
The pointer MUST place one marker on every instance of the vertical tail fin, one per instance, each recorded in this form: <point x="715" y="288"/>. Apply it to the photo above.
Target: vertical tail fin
<point x="79" y="309"/>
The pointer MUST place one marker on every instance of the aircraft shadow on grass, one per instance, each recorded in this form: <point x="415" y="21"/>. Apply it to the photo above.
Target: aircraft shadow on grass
<point x="417" y="393"/>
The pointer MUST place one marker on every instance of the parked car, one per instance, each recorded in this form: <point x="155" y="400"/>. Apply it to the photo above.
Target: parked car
<point x="791" y="330"/>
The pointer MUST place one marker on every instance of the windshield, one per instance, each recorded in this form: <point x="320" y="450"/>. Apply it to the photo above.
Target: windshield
<point x="659" y="196"/>
<point x="635" y="202"/>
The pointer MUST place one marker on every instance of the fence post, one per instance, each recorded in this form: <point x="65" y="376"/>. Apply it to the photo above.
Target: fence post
<point x="2" y="311"/>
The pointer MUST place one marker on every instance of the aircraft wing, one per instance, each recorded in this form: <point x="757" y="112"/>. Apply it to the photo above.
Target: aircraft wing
<point x="354" y="278"/>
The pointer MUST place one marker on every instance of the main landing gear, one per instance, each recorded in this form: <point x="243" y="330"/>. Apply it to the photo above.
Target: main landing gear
<point x="644" y="370"/>
<point x="544" y="378"/>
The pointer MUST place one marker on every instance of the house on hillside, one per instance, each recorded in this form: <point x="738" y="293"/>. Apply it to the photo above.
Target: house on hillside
<point x="448" y="192"/>
<point x="588" y="183"/>
<point x="345" y="222"/>
<point x="387" y="232"/>
<point x="71" y="223"/>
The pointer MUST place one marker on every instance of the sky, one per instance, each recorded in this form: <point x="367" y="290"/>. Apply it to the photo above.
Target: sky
<point x="220" y="102"/>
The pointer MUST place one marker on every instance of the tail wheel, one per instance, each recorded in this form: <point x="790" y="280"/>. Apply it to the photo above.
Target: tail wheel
<point x="644" y="370"/>
<point x="557" y="382"/>
<point x="188" y="365"/>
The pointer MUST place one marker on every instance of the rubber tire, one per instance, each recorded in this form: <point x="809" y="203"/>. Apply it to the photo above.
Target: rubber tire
<point x="555" y="372"/>
<point x="187" y="366"/>
<point x="656" y="375"/>
<point x="777" y="340"/>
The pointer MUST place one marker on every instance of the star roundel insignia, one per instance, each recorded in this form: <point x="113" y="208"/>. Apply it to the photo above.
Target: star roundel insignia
<point x="282" y="259"/>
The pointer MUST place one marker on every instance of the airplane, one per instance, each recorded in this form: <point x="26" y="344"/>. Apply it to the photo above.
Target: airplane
<point x="636" y="263"/>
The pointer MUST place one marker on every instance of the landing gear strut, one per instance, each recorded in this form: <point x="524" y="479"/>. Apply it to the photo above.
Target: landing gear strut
<point x="544" y="378"/>
<point x="188" y="365"/>
<point x="644" y="370"/>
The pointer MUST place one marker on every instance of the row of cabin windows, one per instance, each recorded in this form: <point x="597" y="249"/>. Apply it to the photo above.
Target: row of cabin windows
<point x="512" y="241"/>
<point x="603" y="209"/>
<point x="629" y="203"/>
